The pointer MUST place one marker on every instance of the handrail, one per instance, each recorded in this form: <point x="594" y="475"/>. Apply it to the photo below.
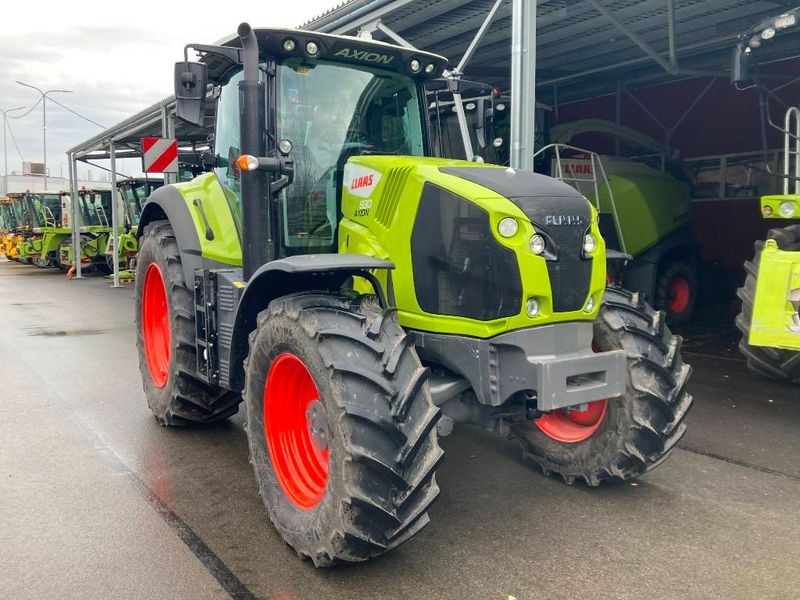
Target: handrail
<point x="787" y="135"/>
<point x="574" y="180"/>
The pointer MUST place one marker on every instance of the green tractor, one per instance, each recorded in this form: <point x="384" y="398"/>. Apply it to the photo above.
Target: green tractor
<point x="769" y="319"/>
<point x="361" y="297"/>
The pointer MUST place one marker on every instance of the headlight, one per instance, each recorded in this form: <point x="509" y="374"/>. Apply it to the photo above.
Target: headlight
<point x="507" y="227"/>
<point x="415" y="66"/>
<point x="288" y="44"/>
<point x="537" y="244"/>
<point x="786" y="209"/>
<point x="589" y="243"/>
<point x="429" y="68"/>
<point x="768" y="33"/>
<point x="532" y="307"/>
<point x="589" y="304"/>
<point x="767" y="210"/>
<point x="312" y="48"/>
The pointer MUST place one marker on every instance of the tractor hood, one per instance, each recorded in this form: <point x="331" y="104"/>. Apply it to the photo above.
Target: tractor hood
<point x="558" y="212"/>
<point x="546" y="201"/>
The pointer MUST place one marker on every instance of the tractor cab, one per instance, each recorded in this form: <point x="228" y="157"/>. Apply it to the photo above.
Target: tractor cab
<point x="36" y="210"/>
<point x="134" y="193"/>
<point x="329" y="98"/>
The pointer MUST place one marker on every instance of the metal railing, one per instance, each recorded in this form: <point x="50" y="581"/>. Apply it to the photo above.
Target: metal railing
<point x="788" y="188"/>
<point x="570" y="177"/>
<point x="48" y="218"/>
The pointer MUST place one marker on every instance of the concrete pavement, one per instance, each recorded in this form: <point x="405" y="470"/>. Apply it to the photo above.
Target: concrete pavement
<point x="98" y="501"/>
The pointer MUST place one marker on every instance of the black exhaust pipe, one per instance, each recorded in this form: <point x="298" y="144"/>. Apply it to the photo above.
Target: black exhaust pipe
<point x="257" y="245"/>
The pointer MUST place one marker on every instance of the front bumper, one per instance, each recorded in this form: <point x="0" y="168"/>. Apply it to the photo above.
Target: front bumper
<point x="553" y="363"/>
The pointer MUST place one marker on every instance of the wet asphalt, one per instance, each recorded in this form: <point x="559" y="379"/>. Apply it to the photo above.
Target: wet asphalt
<point x="99" y="501"/>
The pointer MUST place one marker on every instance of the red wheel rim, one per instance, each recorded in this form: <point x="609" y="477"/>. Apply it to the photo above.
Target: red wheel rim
<point x="296" y="429"/>
<point x="571" y="426"/>
<point x="679" y="294"/>
<point x="155" y="325"/>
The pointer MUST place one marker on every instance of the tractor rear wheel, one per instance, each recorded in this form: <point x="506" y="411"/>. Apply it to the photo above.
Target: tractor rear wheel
<point x="777" y="363"/>
<point x="165" y="330"/>
<point x="619" y="438"/>
<point x="341" y="427"/>
<point x="676" y="290"/>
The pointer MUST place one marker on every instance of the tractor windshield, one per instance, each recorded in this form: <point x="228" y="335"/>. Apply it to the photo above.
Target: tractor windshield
<point x="95" y="208"/>
<point x="48" y="209"/>
<point x="20" y="211"/>
<point x="7" y="220"/>
<point x="329" y="113"/>
<point x="134" y="195"/>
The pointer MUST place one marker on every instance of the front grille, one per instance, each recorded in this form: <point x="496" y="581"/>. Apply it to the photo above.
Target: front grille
<point x="564" y="222"/>
<point x="460" y="269"/>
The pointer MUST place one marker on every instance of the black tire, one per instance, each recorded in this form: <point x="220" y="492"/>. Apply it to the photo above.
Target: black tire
<point x="183" y="399"/>
<point x="641" y="428"/>
<point x="63" y="245"/>
<point x="671" y="271"/>
<point x="777" y="363"/>
<point x="383" y="448"/>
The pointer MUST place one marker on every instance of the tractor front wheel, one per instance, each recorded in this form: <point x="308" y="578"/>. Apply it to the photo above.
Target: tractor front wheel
<point x="165" y="329"/>
<point x="618" y="438"/>
<point x="777" y="363"/>
<point x="341" y="427"/>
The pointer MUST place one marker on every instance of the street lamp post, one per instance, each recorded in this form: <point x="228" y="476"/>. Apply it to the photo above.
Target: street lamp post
<point x="44" y="121"/>
<point x="5" y="144"/>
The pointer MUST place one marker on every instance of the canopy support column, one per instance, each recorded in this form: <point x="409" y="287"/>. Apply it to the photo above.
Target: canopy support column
<point x="114" y="213"/>
<point x="76" y="215"/>
<point x="523" y="84"/>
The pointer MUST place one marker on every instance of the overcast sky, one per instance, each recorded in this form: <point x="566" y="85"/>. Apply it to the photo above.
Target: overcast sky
<point x="117" y="57"/>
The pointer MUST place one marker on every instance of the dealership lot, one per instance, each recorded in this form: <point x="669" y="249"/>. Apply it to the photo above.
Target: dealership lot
<point x="100" y="501"/>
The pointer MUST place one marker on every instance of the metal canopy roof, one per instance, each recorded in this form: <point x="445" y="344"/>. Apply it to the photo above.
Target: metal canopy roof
<point x="151" y="122"/>
<point x="584" y="47"/>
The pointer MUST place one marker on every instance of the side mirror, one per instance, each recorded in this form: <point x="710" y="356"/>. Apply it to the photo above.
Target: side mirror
<point x="741" y="70"/>
<point x="191" y="81"/>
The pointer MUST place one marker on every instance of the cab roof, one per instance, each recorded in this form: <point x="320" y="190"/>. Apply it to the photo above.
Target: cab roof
<point x="335" y="48"/>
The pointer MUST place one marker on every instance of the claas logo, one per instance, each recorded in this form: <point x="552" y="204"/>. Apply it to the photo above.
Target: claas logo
<point x="361" y="182"/>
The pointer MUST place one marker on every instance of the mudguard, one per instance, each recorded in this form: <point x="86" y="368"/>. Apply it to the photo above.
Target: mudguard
<point x="166" y="203"/>
<point x="288" y="276"/>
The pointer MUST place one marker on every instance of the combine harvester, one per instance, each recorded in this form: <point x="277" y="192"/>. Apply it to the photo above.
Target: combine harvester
<point x="645" y="212"/>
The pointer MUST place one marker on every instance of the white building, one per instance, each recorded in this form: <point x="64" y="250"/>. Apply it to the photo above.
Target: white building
<point x="35" y="183"/>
